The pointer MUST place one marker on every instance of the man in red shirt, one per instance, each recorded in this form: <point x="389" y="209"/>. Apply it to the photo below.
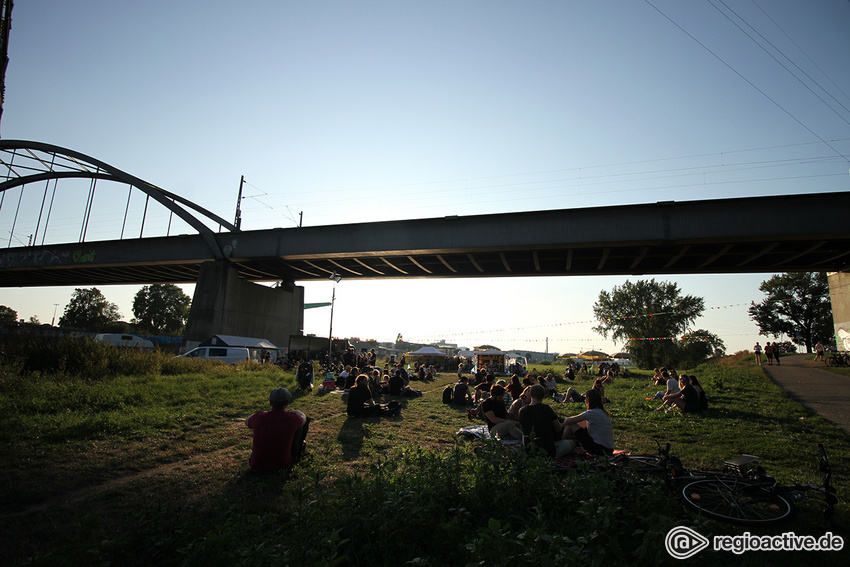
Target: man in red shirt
<point x="278" y="434"/>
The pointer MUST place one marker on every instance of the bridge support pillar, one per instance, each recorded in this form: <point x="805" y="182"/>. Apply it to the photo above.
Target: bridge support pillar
<point x="223" y="304"/>
<point x="839" y="291"/>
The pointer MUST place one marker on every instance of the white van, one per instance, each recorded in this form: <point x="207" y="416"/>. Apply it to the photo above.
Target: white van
<point x="230" y="355"/>
<point x="121" y="340"/>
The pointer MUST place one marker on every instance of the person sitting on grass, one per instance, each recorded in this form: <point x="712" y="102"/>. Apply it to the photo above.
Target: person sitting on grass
<point x="672" y="390"/>
<point x="360" y="402"/>
<point x="304" y="375"/>
<point x="596" y="436"/>
<point x="703" y="400"/>
<point x="396" y="383"/>
<point x="687" y="399"/>
<point x="551" y="385"/>
<point x="507" y="398"/>
<point x="460" y="394"/>
<point x="482" y="390"/>
<point x="572" y="394"/>
<point x="279" y="435"/>
<point x="497" y="416"/>
<point x="515" y="388"/>
<point x="523" y="400"/>
<point x="542" y="426"/>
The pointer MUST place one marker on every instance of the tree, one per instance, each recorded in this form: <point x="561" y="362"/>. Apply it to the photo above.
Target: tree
<point x="7" y="314"/>
<point x="89" y="310"/>
<point x="797" y="305"/>
<point x="698" y="346"/>
<point x="649" y="315"/>
<point x="161" y="308"/>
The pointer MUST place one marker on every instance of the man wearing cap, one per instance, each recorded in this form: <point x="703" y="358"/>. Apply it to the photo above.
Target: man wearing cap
<point x="278" y="434"/>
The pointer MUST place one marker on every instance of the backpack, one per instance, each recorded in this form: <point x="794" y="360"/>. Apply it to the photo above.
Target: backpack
<point x="448" y="393"/>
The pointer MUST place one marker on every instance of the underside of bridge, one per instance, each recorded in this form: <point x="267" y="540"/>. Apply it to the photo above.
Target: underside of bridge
<point x="752" y="235"/>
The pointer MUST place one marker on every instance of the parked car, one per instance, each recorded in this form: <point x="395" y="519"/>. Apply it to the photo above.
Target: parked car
<point x="124" y="341"/>
<point x="230" y="355"/>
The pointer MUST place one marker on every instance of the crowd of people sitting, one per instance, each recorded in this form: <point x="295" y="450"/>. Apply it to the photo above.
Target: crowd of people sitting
<point x="683" y="392"/>
<point x="513" y="409"/>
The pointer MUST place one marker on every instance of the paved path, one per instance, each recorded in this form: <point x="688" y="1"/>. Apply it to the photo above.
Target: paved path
<point x="824" y="392"/>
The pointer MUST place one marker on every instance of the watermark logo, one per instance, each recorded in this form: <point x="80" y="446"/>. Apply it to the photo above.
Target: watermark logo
<point x="683" y="542"/>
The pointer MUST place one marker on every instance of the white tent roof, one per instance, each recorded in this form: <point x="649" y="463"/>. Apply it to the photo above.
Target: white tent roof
<point x="427" y="351"/>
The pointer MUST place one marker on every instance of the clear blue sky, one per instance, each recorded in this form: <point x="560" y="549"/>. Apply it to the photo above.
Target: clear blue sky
<point x="369" y="111"/>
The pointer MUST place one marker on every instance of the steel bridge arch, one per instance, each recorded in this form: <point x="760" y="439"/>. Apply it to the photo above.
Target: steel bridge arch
<point x="45" y="162"/>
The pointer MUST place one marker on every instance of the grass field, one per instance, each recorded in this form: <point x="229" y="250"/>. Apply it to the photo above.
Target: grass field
<point x="151" y="468"/>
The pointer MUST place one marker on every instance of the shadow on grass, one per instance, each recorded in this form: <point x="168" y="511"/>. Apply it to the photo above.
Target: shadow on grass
<point x="354" y="430"/>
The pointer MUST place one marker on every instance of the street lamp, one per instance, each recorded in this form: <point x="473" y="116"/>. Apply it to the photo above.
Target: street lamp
<point x="335" y="277"/>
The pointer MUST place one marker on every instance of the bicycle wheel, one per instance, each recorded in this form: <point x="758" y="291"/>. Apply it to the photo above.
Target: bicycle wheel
<point x="829" y="361"/>
<point x="737" y="501"/>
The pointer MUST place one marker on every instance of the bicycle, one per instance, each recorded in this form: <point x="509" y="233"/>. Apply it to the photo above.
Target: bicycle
<point x="741" y="493"/>
<point x="838" y="359"/>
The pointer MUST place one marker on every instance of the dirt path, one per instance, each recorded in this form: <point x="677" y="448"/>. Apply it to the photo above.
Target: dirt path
<point x="824" y="392"/>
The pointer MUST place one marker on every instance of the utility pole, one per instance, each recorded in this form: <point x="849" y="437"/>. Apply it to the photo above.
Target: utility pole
<point x="238" y="221"/>
<point x="5" y="26"/>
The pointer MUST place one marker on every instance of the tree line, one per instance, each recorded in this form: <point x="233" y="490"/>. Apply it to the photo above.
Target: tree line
<point x="159" y="309"/>
<point x="653" y="318"/>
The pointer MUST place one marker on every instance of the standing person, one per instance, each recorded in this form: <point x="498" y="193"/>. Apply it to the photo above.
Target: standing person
<point x="776" y="351"/>
<point x="757" y="352"/>
<point x="819" y="350"/>
<point x="540" y="424"/>
<point x="597" y="434"/>
<point x="279" y="435"/>
<point x="459" y="371"/>
<point x="496" y="415"/>
<point x="768" y="353"/>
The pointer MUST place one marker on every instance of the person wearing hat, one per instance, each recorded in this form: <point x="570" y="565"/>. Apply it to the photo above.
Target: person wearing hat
<point x="279" y="435"/>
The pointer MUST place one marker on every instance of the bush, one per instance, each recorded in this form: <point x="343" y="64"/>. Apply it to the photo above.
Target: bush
<point x="85" y="358"/>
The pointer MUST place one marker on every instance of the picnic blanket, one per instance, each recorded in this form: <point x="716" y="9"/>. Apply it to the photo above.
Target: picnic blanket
<point x="475" y="432"/>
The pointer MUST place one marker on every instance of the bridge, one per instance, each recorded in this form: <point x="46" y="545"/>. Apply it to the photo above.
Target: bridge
<point x="785" y="233"/>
